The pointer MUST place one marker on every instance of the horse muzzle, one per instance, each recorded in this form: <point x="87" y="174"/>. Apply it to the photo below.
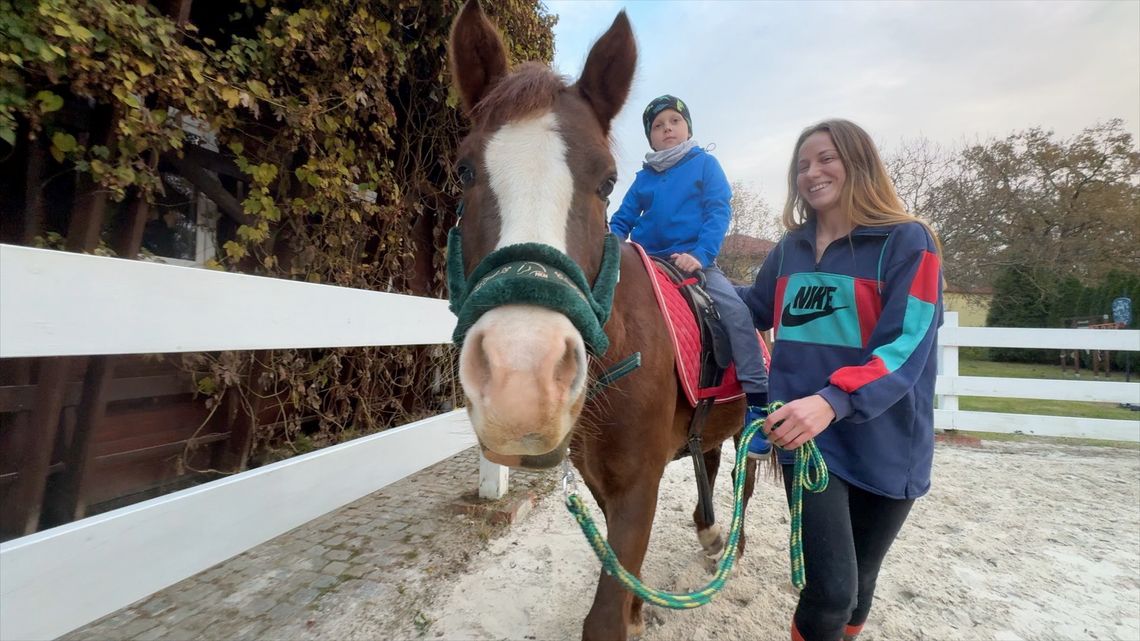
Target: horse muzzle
<point x="523" y="370"/>
<point x="529" y="461"/>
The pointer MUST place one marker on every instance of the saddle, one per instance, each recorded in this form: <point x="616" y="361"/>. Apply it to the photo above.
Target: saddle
<point x="703" y="356"/>
<point x="701" y="347"/>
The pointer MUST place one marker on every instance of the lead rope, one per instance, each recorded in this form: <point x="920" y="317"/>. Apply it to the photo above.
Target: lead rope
<point x="807" y="460"/>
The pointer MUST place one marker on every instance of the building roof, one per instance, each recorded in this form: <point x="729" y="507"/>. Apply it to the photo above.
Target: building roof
<point x="738" y="244"/>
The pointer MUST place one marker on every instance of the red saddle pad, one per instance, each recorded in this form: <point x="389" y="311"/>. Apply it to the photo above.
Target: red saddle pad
<point x="686" y="337"/>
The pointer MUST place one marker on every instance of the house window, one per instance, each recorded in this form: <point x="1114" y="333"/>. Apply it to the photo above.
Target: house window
<point x="183" y="224"/>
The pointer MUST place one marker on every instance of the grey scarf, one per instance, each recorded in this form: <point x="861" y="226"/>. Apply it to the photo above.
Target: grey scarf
<point x="662" y="160"/>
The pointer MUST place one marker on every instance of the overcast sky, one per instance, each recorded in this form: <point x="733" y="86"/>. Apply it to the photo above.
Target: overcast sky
<point x="754" y="74"/>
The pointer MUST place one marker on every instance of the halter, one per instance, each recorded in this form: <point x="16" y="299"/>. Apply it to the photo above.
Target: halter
<point x="534" y="274"/>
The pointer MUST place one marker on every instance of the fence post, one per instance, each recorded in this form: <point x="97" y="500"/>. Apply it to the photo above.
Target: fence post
<point x="948" y="360"/>
<point x="492" y="479"/>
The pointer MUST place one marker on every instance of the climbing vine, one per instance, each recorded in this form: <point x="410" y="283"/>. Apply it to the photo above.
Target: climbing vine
<point x="339" y="117"/>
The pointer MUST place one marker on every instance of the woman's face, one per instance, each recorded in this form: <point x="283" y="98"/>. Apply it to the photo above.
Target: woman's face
<point x="821" y="172"/>
<point x="668" y="130"/>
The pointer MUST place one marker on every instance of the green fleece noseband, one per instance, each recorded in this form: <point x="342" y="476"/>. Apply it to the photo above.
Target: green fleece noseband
<point x="533" y="274"/>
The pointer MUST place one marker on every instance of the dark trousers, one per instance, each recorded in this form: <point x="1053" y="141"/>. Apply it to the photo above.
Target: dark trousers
<point x="846" y="534"/>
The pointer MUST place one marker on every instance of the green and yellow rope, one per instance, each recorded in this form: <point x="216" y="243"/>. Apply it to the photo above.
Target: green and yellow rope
<point x="809" y="472"/>
<point x="809" y="468"/>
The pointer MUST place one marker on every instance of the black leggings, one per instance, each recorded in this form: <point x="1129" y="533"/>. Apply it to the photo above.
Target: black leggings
<point x="846" y="533"/>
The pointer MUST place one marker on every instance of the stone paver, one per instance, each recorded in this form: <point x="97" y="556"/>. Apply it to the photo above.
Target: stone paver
<point x="376" y="551"/>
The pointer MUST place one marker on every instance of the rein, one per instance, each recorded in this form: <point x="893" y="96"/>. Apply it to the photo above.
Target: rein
<point x="810" y="473"/>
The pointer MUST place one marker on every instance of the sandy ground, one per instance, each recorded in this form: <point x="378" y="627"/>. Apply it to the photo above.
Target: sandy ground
<point x="1016" y="541"/>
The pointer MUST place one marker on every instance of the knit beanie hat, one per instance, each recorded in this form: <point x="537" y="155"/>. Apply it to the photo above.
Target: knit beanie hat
<point x="661" y="103"/>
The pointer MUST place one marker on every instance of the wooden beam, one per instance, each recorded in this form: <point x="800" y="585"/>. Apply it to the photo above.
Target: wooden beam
<point x="21" y="397"/>
<point x="68" y="503"/>
<point x="35" y="457"/>
<point x="18" y="371"/>
<point x="213" y="161"/>
<point x="83" y="235"/>
<point x="33" y="194"/>
<point x="211" y="187"/>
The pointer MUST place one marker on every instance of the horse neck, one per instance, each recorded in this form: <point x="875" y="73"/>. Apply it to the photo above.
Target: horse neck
<point x="635" y="316"/>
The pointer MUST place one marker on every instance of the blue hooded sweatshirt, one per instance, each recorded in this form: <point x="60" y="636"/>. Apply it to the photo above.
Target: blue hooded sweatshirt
<point x="859" y="328"/>
<point x="683" y="209"/>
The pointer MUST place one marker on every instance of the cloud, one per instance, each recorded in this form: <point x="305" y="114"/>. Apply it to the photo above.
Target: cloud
<point x="756" y="73"/>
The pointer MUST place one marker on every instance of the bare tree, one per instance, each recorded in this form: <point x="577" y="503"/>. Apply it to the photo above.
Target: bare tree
<point x="917" y="166"/>
<point x="752" y="232"/>
<point x="1045" y="207"/>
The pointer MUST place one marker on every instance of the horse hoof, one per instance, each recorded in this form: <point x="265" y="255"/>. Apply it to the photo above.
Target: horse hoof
<point x="635" y="629"/>
<point x="711" y="540"/>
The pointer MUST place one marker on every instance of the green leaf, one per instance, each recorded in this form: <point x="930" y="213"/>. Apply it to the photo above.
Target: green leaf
<point x="8" y="136"/>
<point x="80" y="32"/>
<point x="63" y="141"/>
<point x="231" y="96"/>
<point x="206" y="385"/>
<point x="234" y="250"/>
<point x="49" y="101"/>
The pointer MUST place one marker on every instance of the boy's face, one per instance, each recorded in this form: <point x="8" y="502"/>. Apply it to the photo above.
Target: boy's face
<point x="669" y="129"/>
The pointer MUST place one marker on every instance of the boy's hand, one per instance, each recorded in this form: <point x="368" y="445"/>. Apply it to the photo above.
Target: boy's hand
<point x="686" y="263"/>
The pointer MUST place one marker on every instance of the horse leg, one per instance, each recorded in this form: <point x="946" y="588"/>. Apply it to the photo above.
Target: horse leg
<point x="711" y="535"/>
<point x="629" y="518"/>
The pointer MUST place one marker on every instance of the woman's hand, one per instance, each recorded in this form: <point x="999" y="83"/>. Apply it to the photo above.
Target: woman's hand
<point x="686" y="262"/>
<point x="799" y="421"/>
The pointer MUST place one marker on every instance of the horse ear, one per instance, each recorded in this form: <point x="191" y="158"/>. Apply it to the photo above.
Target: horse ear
<point x="609" y="69"/>
<point x="478" y="57"/>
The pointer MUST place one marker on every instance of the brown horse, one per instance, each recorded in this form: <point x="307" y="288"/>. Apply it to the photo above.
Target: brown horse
<point x="537" y="168"/>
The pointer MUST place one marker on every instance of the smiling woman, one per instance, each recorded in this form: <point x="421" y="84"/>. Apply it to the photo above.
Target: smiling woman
<point x="854" y="295"/>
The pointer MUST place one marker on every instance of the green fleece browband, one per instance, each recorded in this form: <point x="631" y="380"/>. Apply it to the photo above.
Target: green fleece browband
<point x="533" y="274"/>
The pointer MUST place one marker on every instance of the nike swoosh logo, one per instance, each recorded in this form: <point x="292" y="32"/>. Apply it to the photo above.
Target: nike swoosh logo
<point x="788" y="319"/>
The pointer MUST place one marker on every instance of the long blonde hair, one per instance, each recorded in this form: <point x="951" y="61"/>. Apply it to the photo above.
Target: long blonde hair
<point x="868" y="196"/>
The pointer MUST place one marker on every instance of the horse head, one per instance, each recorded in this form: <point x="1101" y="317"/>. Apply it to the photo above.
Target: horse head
<point x="532" y="243"/>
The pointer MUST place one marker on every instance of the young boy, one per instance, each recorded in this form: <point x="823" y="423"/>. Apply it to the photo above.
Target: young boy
<point x="678" y="209"/>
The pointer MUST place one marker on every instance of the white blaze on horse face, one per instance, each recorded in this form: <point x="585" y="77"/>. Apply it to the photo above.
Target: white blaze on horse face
<point x="526" y="164"/>
<point x="523" y="368"/>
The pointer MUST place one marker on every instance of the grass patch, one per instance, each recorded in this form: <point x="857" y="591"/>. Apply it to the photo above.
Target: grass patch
<point x="1048" y="440"/>
<point x="972" y="367"/>
<point x="1039" y="407"/>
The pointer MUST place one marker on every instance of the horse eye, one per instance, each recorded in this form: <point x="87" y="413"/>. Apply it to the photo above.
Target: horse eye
<point x="607" y="187"/>
<point x="466" y="174"/>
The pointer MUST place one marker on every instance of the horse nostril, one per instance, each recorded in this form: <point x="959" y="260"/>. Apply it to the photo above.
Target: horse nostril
<point x="476" y="365"/>
<point x="568" y="369"/>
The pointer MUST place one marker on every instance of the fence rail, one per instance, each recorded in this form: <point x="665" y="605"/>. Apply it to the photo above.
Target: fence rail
<point x="60" y="579"/>
<point x="63" y="304"/>
<point x="951" y="385"/>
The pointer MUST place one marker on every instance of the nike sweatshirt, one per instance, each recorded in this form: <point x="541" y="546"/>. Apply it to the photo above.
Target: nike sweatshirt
<point x="683" y="209"/>
<point x="859" y="328"/>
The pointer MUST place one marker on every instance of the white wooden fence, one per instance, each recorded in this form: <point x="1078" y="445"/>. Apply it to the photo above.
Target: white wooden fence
<point x="951" y="384"/>
<point x="62" y="304"/>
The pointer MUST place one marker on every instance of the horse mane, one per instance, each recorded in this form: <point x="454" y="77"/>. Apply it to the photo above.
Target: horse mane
<point x="531" y="87"/>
